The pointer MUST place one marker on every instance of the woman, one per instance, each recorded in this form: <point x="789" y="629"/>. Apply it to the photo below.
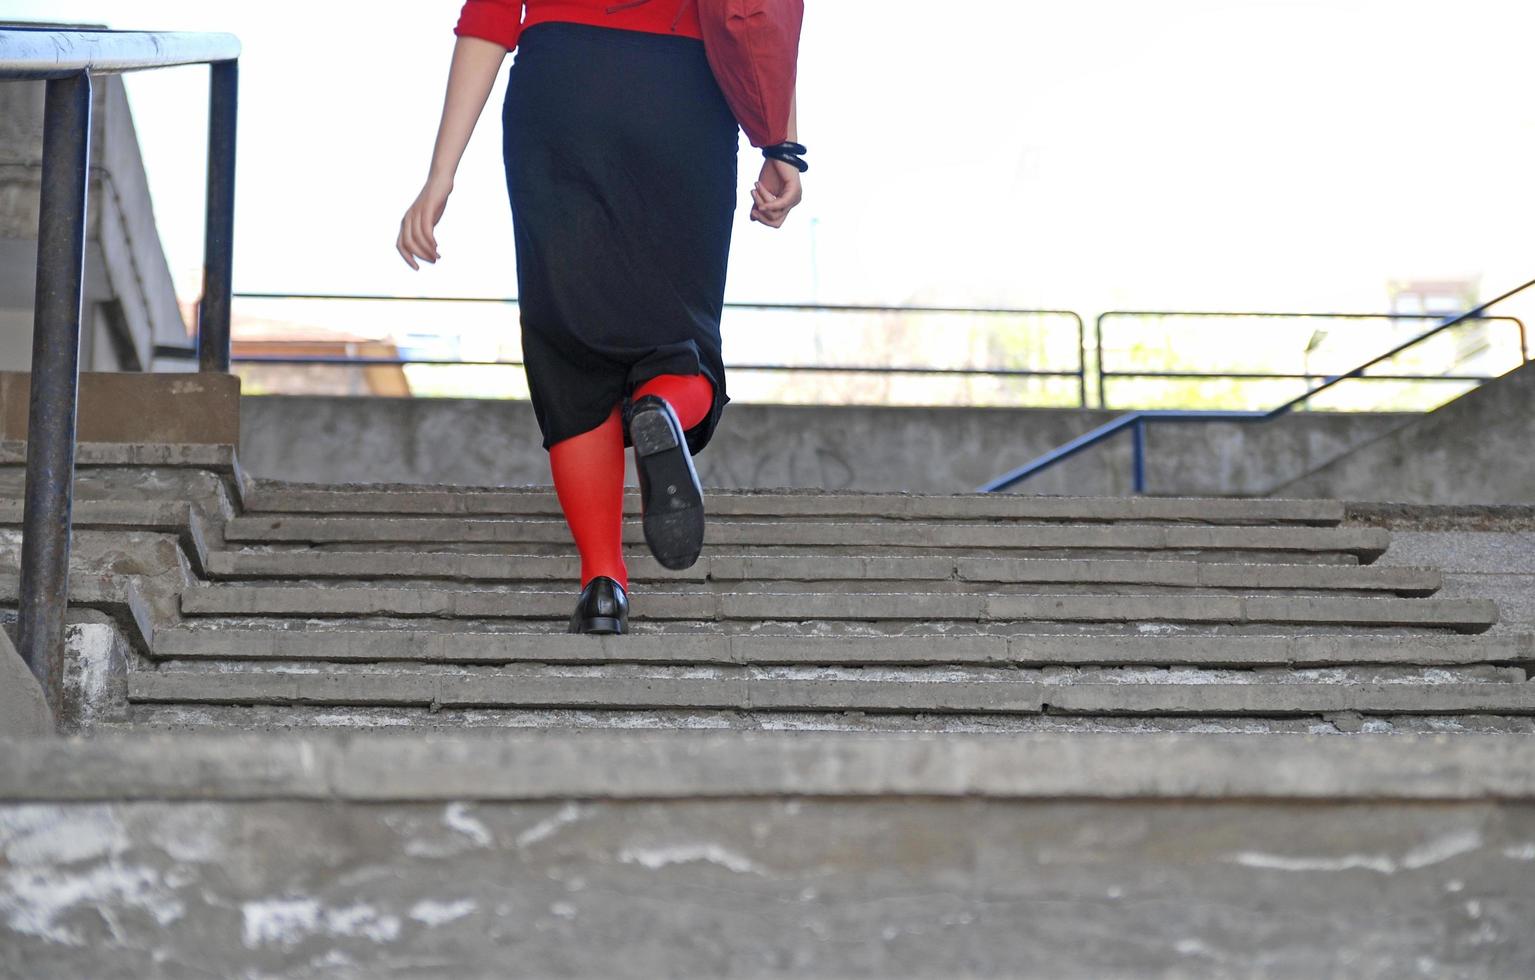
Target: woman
<point x="620" y="157"/>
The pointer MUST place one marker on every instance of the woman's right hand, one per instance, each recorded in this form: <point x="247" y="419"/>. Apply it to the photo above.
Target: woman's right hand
<point x="417" y="238"/>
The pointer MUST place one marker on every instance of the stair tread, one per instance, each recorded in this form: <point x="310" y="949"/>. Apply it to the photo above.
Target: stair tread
<point x="745" y="690"/>
<point x="277" y="496"/>
<point x="1364" y="541"/>
<point x="234" y="599"/>
<point x="554" y="568"/>
<point x="189" y="641"/>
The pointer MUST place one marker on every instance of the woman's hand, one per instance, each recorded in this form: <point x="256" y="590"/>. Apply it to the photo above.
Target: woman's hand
<point x="776" y="193"/>
<point x="417" y="238"/>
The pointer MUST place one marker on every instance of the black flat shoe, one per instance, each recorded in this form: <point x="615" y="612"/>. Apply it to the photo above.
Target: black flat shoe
<point x="603" y="608"/>
<point x="671" y="500"/>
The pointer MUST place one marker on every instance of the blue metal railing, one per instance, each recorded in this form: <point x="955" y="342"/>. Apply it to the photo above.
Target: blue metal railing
<point x="1137" y="422"/>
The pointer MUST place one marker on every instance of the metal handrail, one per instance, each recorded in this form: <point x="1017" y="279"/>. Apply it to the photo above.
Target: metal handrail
<point x="64" y="60"/>
<point x="1079" y="373"/>
<point x="49" y="52"/>
<point x="1137" y="421"/>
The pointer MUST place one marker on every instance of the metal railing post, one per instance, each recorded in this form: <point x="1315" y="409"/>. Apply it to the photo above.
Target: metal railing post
<point x="1103" y="401"/>
<point x="1138" y="456"/>
<point x="1081" y="360"/>
<point x="54" y="382"/>
<point x="218" y="241"/>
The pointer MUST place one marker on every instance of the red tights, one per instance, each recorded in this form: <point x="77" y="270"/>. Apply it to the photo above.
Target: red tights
<point x="588" y="472"/>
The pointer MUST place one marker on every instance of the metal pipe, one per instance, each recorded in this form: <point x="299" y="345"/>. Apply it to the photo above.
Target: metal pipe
<point x="32" y="52"/>
<point x="1081" y="360"/>
<point x="1103" y="401"/>
<point x="54" y="382"/>
<point x="766" y="307"/>
<point x="218" y="241"/>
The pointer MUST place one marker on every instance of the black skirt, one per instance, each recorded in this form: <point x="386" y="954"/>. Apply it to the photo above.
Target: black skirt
<point x="620" y="159"/>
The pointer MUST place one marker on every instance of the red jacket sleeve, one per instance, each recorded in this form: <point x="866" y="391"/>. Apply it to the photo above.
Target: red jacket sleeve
<point x="499" y="21"/>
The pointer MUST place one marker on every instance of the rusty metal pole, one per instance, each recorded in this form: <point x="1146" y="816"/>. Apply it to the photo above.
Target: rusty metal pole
<point x="218" y="242"/>
<point x="55" y="382"/>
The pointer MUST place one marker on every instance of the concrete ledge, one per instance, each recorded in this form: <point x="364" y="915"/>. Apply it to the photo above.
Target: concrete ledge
<point x="606" y="765"/>
<point x="212" y="456"/>
<point x="200" y="408"/>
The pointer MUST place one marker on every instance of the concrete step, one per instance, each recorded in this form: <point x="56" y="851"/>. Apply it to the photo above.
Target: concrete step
<point x="1496" y="691"/>
<point x="395" y="499"/>
<point x="1362" y="544"/>
<point x="425" y="720"/>
<point x="635" y="855"/>
<point x="1465" y="615"/>
<point x="753" y="569"/>
<point x="140" y="515"/>
<point x="446" y="647"/>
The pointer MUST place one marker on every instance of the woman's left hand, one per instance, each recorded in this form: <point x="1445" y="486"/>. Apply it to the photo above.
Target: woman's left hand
<point x="776" y="193"/>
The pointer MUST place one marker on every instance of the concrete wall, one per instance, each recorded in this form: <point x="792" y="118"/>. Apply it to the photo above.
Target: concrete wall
<point x="931" y="450"/>
<point x="1478" y="449"/>
<point x="130" y="300"/>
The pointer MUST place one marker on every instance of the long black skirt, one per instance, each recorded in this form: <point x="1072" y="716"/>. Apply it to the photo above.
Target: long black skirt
<point x="620" y="159"/>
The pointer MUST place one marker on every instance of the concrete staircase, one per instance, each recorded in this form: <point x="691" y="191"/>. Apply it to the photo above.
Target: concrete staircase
<point x="338" y="731"/>
<point x="412" y="606"/>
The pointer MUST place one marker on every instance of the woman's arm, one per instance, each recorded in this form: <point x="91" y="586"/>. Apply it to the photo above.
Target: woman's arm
<point x="778" y="188"/>
<point x="475" y="64"/>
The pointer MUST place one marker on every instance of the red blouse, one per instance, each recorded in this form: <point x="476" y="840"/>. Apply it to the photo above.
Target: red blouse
<point x="502" y="21"/>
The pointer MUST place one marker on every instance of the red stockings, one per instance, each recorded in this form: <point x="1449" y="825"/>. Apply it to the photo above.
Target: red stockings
<point x="588" y="472"/>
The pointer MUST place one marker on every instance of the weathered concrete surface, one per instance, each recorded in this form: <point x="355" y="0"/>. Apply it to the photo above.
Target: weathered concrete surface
<point x="928" y="450"/>
<point x="1475" y="450"/>
<point x="23" y="708"/>
<point x="130" y="299"/>
<point x="1493" y="564"/>
<point x="760" y="857"/>
<point x="908" y="888"/>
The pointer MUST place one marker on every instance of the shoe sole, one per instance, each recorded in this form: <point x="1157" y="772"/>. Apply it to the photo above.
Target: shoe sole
<point x="601" y="626"/>
<point x="674" y="505"/>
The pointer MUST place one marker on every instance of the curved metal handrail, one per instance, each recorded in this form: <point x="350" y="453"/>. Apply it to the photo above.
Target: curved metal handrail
<point x="1138" y="420"/>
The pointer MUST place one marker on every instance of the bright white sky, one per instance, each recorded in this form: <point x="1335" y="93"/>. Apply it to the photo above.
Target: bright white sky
<point x="1085" y="154"/>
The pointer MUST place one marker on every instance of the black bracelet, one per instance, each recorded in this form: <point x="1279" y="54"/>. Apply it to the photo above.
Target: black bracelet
<point x="789" y="152"/>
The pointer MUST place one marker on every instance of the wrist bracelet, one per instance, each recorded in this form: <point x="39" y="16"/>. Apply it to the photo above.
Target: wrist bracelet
<point x="789" y="152"/>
